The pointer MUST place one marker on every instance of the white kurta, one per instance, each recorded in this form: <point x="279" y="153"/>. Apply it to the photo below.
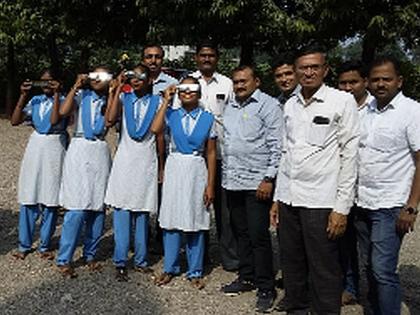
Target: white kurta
<point x="41" y="169"/>
<point x="183" y="189"/>
<point x="133" y="181"/>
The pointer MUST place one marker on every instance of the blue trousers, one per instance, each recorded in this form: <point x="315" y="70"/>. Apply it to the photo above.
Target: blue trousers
<point x="172" y="240"/>
<point x="74" y="220"/>
<point x="349" y="256"/>
<point x="122" y="228"/>
<point x="28" y="216"/>
<point x="379" y="244"/>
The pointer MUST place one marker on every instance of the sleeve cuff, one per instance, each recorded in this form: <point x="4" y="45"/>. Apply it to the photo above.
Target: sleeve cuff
<point x="342" y="207"/>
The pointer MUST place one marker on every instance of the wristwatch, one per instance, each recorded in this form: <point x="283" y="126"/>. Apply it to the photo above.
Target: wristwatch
<point x="411" y="210"/>
<point x="269" y="179"/>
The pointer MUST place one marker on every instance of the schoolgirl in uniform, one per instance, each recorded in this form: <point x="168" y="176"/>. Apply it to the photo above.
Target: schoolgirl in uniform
<point x="85" y="171"/>
<point x="188" y="186"/>
<point x="132" y="185"/>
<point x="40" y="173"/>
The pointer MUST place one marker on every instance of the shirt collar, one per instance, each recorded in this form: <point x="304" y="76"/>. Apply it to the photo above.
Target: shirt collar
<point x="160" y="78"/>
<point x="319" y="95"/>
<point x="283" y="98"/>
<point x="193" y="114"/>
<point x="198" y="75"/>
<point x="255" y="97"/>
<point x="373" y="105"/>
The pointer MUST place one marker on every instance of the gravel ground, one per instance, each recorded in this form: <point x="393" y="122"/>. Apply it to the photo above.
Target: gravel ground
<point x="33" y="286"/>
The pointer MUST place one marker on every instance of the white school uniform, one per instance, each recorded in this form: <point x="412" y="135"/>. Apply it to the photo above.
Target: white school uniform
<point x="86" y="167"/>
<point x="133" y="181"/>
<point x="185" y="180"/>
<point x="41" y="168"/>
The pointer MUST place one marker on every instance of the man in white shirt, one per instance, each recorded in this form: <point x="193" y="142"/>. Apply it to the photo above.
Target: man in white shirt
<point x="216" y="92"/>
<point x="352" y="78"/>
<point x="388" y="189"/>
<point x="315" y="186"/>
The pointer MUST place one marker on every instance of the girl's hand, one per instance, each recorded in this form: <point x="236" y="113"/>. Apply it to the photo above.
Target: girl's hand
<point x="208" y="196"/>
<point x="25" y="87"/>
<point x="81" y="79"/>
<point x="55" y="86"/>
<point x="169" y="93"/>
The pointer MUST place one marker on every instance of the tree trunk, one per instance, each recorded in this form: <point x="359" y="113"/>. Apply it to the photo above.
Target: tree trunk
<point x="247" y="52"/>
<point x="54" y="55"/>
<point x="10" y="76"/>
<point x="368" y="49"/>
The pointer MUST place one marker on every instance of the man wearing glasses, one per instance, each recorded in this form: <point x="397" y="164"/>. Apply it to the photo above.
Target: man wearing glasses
<point x="315" y="187"/>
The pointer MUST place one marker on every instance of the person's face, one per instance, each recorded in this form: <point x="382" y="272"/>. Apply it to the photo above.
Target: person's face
<point x="97" y="85"/>
<point x="244" y="84"/>
<point x="285" y="78"/>
<point x="384" y="82"/>
<point x="189" y="98"/>
<point x="46" y="76"/>
<point x="353" y="82"/>
<point x="311" y="70"/>
<point x="206" y="60"/>
<point x="139" y="85"/>
<point x="153" y="58"/>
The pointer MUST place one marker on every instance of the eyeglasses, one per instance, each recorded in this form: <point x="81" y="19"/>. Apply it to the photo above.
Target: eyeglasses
<point x="188" y="88"/>
<point x="315" y="67"/>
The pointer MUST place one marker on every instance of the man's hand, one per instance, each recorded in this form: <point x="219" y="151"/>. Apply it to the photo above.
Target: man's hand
<point x="264" y="190"/>
<point x="275" y="214"/>
<point x="405" y="222"/>
<point x="336" y="225"/>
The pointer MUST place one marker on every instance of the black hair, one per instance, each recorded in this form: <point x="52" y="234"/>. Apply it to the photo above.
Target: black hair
<point x="245" y="67"/>
<point x="352" y="65"/>
<point x="380" y="60"/>
<point x="311" y="49"/>
<point x="54" y="74"/>
<point x="105" y="67"/>
<point x="150" y="45"/>
<point x="284" y="59"/>
<point x="207" y="44"/>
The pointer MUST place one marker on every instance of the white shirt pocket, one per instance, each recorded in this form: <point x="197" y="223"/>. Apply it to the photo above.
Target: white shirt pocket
<point x="318" y="133"/>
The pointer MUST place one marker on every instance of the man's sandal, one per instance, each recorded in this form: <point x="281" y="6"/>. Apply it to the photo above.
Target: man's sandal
<point x="163" y="278"/>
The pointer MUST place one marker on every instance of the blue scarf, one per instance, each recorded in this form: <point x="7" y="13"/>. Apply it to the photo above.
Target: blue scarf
<point x="130" y="121"/>
<point x="99" y="123"/>
<point x="188" y="144"/>
<point x="42" y="125"/>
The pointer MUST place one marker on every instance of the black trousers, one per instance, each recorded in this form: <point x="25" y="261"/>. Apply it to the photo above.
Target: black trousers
<point x="250" y="222"/>
<point x="228" y="244"/>
<point x="311" y="266"/>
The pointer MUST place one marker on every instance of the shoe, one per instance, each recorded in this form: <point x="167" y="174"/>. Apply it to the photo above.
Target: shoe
<point x="265" y="300"/>
<point x="238" y="286"/>
<point x="144" y="270"/>
<point x="121" y="274"/>
<point x="280" y="306"/>
<point x="47" y="255"/>
<point x="67" y="271"/>
<point x="197" y="283"/>
<point x="20" y="255"/>
<point x="163" y="278"/>
<point x="348" y="298"/>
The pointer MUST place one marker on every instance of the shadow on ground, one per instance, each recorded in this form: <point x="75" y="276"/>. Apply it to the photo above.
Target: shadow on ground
<point x="410" y="280"/>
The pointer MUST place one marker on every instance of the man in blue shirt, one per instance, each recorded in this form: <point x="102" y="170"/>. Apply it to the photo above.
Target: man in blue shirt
<point x="251" y="153"/>
<point x="153" y="58"/>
